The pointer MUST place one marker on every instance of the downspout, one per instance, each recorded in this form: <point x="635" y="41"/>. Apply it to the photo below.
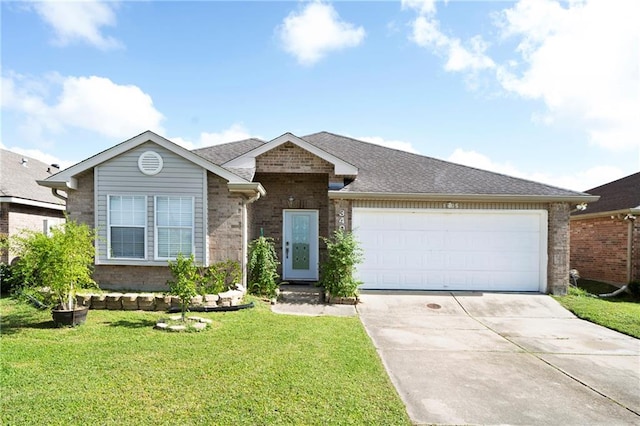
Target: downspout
<point x="245" y="237"/>
<point x="629" y="247"/>
<point x="55" y="193"/>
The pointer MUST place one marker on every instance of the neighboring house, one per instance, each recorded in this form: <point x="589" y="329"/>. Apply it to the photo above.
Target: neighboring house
<point x="423" y="223"/>
<point x="23" y="203"/>
<point x="605" y="238"/>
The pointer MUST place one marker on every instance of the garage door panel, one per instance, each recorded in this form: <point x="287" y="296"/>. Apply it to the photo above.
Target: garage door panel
<point x="461" y="250"/>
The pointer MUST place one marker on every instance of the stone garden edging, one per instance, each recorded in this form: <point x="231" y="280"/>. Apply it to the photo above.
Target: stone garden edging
<point x="156" y="302"/>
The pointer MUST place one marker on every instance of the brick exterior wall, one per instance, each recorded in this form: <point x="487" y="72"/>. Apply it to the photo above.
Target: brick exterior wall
<point x="558" y="248"/>
<point x="16" y="217"/>
<point x="290" y="158"/>
<point x="136" y="278"/>
<point x="599" y="249"/>
<point x="224" y="221"/>
<point x="81" y="202"/>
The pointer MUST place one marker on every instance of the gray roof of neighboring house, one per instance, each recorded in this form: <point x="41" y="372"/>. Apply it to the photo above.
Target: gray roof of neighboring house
<point x="621" y="194"/>
<point x="18" y="180"/>
<point x="387" y="170"/>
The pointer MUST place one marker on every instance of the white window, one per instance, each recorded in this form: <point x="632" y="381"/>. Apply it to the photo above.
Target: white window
<point x="174" y="226"/>
<point x="127" y="226"/>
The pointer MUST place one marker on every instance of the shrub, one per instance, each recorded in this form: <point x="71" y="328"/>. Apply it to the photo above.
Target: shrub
<point x="263" y="267"/>
<point x="219" y="277"/>
<point x="6" y="282"/>
<point x="343" y="254"/>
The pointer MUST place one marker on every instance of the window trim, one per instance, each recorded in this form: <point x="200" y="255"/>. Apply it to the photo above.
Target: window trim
<point x="110" y="255"/>
<point x="155" y="225"/>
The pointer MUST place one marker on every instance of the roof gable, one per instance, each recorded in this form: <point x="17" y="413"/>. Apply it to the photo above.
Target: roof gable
<point x="66" y="178"/>
<point x="248" y="160"/>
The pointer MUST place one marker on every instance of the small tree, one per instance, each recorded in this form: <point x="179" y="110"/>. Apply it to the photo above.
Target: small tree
<point x="343" y="254"/>
<point x="263" y="267"/>
<point x="184" y="284"/>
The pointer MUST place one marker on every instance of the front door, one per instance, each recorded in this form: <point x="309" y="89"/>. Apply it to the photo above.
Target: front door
<point x="300" y="245"/>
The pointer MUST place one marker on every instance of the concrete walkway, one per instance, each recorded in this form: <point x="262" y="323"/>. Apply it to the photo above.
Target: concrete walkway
<point x="307" y="300"/>
<point x="495" y="358"/>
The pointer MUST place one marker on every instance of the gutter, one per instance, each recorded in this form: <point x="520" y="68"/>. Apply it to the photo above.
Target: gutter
<point x="72" y="183"/>
<point x="621" y="213"/>
<point x="461" y="197"/>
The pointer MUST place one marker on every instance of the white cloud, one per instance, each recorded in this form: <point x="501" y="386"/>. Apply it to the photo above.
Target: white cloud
<point x="81" y="21"/>
<point x="582" y="61"/>
<point x="581" y="58"/>
<point x="577" y="180"/>
<point x="395" y="144"/>
<point x="313" y="32"/>
<point x="91" y="103"/>
<point x="236" y="132"/>
<point x="460" y="56"/>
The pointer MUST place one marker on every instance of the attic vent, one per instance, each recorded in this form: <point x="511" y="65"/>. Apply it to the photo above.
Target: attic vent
<point x="150" y="163"/>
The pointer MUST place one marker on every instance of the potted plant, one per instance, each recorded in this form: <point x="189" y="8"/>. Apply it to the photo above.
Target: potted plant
<point x="56" y="265"/>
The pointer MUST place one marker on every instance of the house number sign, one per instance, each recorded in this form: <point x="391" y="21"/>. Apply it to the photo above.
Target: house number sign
<point x="341" y="220"/>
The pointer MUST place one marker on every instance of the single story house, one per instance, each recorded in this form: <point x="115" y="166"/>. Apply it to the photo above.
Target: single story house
<point x="605" y="238"/>
<point x="423" y="223"/>
<point x="23" y="203"/>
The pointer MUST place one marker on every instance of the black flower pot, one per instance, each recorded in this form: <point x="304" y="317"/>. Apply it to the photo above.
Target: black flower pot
<point x="67" y="317"/>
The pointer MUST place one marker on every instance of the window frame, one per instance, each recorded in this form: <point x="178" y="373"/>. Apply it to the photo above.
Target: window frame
<point x="110" y="255"/>
<point x="192" y="228"/>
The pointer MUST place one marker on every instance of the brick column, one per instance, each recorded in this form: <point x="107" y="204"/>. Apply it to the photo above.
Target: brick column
<point x="558" y="249"/>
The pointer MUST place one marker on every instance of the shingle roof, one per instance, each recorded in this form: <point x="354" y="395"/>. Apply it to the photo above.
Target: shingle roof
<point x="19" y="181"/>
<point x="387" y="170"/>
<point x="621" y="194"/>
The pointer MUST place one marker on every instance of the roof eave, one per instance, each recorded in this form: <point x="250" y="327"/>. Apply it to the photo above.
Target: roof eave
<point x="249" y="188"/>
<point x="32" y="203"/>
<point x="632" y="211"/>
<point x="64" y="185"/>
<point x="462" y="197"/>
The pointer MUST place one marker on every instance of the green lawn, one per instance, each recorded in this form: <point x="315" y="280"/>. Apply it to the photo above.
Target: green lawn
<point x="621" y="313"/>
<point x="252" y="367"/>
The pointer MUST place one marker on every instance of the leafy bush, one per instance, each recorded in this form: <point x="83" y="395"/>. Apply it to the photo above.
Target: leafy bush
<point x="263" y="267"/>
<point x="219" y="277"/>
<point x="6" y="279"/>
<point x="184" y="284"/>
<point x="343" y="254"/>
<point x="61" y="261"/>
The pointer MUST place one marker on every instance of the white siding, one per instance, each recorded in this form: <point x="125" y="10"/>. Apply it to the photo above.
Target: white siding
<point x="121" y="176"/>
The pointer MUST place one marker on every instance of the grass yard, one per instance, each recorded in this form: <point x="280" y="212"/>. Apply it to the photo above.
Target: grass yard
<point x="252" y="367"/>
<point x="621" y="313"/>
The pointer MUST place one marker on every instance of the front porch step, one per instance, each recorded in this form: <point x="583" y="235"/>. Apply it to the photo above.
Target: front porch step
<point x="300" y="294"/>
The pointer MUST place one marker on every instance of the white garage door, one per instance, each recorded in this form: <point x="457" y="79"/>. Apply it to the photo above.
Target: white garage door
<point x="483" y="250"/>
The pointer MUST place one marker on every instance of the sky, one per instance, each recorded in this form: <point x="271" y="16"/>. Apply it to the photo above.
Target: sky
<point x="538" y="89"/>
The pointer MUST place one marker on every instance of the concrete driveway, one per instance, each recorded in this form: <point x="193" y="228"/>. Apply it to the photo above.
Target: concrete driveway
<point x="496" y="358"/>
